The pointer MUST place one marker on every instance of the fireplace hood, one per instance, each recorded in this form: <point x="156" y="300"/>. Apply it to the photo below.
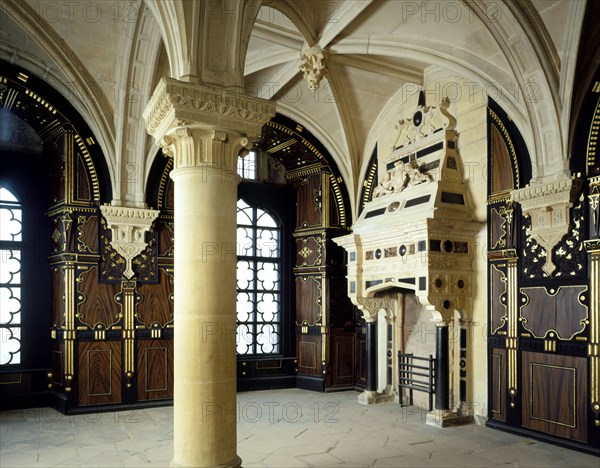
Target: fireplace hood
<point x="417" y="233"/>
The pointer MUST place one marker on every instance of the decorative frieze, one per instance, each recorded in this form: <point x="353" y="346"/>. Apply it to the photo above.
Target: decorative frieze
<point x="129" y="227"/>
<point x="548" y="205"/>
<point x="178" y="104"/>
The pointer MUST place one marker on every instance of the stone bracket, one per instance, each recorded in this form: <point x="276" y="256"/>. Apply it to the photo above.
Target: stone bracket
<point x="548" y="205"/>
<point x="128" y="226"/>
<point x="369" y="306"/>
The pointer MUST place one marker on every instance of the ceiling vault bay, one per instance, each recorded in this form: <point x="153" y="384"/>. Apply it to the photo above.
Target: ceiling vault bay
<point x="378" y="49"/>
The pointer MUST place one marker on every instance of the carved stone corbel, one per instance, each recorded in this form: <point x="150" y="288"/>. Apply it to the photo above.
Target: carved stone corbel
<point x="128" y="226"/>
<point x="370" y="306"/>
<point x="548" y="205"/>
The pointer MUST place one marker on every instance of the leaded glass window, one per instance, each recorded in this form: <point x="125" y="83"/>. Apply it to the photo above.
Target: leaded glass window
<point x="246" y="166"/>
<point x="11" y="238"/>
<point x="258" y="281"/>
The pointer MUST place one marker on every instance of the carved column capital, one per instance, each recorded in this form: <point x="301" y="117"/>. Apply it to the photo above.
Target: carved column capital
<point x="369" y="306"/>
<point x="129" y="227"/>
<point x="193" y="146"/>
<point x="204" y="125"/>
<point x="548" y="204"/>
<point x="313" y="65"/>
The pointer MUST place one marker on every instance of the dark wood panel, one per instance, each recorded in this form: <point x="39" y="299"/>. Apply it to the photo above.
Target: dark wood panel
<point x="58" y="235"/>
<point x="569" y="312"/>
<point x="99" y="305"/>
<point x="169" y="200"/>
<point x="99" y="373"/>
<point x="498" y="384"/>
<point x="166" y="239"/>
<point x="308" y="297"/>
<point x="342" y="362"/>
<point x="57" y="169"/>
<point x="497" y="289"/>
<point x="308" y="196"/>
<point x="309" y="355"/>
<point x="309" y="251"/>
<point x="58" y="296"/>
<point x="155" y="369"/>
<point x="83" y="182"/>
<point x="340" y="310"/>
<point x="157" y="301"/>
<point x="334" y="215"/>
<point x="58" y="370"/>
<point x="361" y="356"/>
<point x="539" y="312"/>
<point x="87" y="233"/>
<point x="555" y="394"/>
<point x="497" y="229"/>
<point x="501" y="171"/>
<point x="560" y="312"/>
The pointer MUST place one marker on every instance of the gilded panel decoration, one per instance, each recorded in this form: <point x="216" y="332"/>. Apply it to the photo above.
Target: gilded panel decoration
<point x="112" y="265"/>
<point x="96" y="304"/>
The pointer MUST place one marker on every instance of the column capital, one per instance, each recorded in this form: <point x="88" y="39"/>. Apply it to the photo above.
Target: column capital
<point x="176" y="104"/>
<point x="369" y="306"/>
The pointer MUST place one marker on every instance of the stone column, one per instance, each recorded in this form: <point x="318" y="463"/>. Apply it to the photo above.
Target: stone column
<point x="369" y="307"/>
<point x="371" y="358"/>
<point x="442" y="380"/>
<point x="203" y="128"/>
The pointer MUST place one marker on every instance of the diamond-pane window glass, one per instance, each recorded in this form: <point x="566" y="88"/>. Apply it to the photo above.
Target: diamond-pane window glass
<point x="258" y="281"/>
<point x="11" y="223"/>
<point x="246" y="166"/>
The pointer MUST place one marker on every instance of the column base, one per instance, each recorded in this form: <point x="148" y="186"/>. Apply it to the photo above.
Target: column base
<point x="370" y="398"/>
<point x="480" y="420"/>
<point x="444" y="418"/>
<point x="235" y="463"/>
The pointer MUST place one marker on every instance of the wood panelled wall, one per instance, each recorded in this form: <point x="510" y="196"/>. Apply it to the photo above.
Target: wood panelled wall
<point x="543" y="327"/>
<point x="324" y="319"/>
<point x="112" y="338"/>
<point x="326" y="345"/>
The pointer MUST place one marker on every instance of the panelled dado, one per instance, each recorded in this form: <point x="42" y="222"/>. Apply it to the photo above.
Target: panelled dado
<point x="112" y="300"/>
<point x="102" y="331"/>
<point x="325" y="332"/>
<point x="543" y="298"/>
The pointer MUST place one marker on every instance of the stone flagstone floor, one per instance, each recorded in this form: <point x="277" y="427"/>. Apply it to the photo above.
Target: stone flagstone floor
<point x="283" y="428"/>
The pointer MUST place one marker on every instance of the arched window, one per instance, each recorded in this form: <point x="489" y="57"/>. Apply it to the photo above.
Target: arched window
<point x="11" y="221"/>
<point x="258" y="281"/>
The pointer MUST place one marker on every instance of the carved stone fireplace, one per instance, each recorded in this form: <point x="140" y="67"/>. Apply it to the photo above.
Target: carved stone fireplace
<point x="414" y="244"/>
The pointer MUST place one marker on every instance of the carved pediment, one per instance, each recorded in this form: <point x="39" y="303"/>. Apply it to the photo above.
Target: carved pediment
<point x="425" y="121"/>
